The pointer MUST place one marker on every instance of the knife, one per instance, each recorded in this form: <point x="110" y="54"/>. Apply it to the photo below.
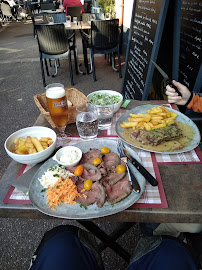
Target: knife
<point x="135" y="184"/>
<point x="141" y="169"/>
<point x="132" y="178"/>
<point x="167" y="79"/>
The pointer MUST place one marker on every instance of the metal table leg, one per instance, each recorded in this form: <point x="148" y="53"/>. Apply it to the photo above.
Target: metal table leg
<point x="108" y="240"/>
<point x="78" y="65"/>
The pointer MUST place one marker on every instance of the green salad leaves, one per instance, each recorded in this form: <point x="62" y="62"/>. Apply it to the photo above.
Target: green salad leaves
<point x="103" y="99"/>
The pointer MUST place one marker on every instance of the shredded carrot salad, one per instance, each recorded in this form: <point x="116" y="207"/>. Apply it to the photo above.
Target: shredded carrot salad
<point x="63" y="191"/>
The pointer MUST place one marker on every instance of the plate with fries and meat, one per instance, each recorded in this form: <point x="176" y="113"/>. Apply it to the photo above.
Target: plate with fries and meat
<point x="158" y="129"/>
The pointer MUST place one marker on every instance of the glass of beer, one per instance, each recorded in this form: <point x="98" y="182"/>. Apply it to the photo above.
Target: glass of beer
<point x="58" y="109"/>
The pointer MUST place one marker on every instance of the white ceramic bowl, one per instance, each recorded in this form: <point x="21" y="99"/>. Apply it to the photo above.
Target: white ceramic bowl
<point x="110" y="92"/>
<point x="32" y="132"/>
<point x="69" y="152"/>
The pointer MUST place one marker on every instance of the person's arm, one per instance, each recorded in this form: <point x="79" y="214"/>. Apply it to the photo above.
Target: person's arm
<point x="191" y="100"/>
<point x="82" y="9"/>
<point x="195" y="104"/>
<point x="64" y="6"/>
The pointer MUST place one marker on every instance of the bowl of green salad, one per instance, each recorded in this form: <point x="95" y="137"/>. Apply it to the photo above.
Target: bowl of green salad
<point x="98" y="98"/>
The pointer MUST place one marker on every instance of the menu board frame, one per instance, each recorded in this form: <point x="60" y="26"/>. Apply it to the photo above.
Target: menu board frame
<point x="190" y="45"/>
<point x="154" y="52"/>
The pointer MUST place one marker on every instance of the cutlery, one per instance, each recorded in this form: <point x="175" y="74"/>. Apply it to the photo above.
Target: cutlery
<point x="141" y="169"/>
<point x="167" y="79"/>
<point x="132" y="178"/>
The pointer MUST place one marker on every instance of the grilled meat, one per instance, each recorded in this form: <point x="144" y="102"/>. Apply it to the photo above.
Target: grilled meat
<point x="156" y="136"/>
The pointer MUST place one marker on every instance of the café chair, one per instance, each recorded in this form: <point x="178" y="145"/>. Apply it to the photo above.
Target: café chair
<point x="35" y="5"/>
<point x="58" y="17"/>
<point x="61" y="18"/>
<point x="74" y="11"/>
<point x="6" y="12"/>
<point x="47" y="6"/>
<point x="33" y="18"/>
<point x="53" y="44"/>
<point x="103" y="39"/>
<point x="46" y="1"/>
<point x="86" y="17"/>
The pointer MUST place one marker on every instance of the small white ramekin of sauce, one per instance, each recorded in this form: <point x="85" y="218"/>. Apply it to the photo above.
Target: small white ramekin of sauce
<point x="68" y="156"/>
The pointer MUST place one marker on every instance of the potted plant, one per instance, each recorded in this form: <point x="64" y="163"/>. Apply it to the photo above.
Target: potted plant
<point x="108" y="7"/>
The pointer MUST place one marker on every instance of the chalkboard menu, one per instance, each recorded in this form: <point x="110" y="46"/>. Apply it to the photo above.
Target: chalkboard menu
<point x="190" y="44"/>
<point x="145" y="34"/>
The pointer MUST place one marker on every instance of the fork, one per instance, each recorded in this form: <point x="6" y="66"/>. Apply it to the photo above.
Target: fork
<point x="132" y="178"/>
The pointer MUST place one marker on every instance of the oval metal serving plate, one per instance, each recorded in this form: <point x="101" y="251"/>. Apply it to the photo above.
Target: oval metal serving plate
<point x="180" y="117"/>
<point x="39" y="198"/>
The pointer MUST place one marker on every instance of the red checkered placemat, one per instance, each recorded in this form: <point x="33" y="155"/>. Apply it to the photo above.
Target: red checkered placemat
<point x="152" y="197"/>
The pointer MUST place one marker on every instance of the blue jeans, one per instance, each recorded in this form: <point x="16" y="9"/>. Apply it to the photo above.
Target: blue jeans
<point x="65" y="251"/>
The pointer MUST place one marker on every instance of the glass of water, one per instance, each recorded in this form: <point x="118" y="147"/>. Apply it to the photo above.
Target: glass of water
<point x="105" y="112"/>
<point x="107" y="16"/>
<point x="50" y="20"/>
<point x="75" y="20"/>
<point x="92" y="17"/>
<point x="87" y="121"/>
<point x="68" y="20"/>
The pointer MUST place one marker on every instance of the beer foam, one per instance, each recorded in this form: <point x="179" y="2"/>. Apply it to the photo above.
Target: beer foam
<point x="55" y="92"/>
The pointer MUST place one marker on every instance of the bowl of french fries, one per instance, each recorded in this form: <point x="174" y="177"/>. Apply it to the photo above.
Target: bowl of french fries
<point x="31" y="145"/>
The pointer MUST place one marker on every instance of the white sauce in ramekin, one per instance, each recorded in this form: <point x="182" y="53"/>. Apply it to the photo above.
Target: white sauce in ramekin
<point x="69" y="156"/>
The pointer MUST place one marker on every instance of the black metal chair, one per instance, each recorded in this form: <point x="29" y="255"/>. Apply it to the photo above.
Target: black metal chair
<point x="104" y="39"/>
<point x="74" y="11"/>
<point x="53" y="44"/>
<point x="47" y="6"/>
<point x="61" y="18"/>
<point x="33" y="18"/>
<point x="46" y="1"/>
<point x="58" y="17"/>
<point x="86" y="17"/>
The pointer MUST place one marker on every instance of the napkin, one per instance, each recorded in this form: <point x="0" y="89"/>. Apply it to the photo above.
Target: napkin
<point x="22" y="182"/>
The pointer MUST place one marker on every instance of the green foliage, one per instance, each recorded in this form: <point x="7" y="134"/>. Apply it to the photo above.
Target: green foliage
<point x="108" y="6"/>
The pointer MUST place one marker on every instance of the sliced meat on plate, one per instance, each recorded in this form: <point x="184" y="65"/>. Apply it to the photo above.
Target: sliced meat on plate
<point x="91" y="172"/>
<point x="119" y="191"/>
<point x="96" y="194"/>
<point x="103" y="171"/>
<point x="110" y="161"/>
<point x="112" y="178"/>
<point x="90" y="155"/>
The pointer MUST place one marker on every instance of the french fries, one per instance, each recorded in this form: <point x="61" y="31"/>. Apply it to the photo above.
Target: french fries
<point x="31" y="145"/>
<point x="157" y="117"/>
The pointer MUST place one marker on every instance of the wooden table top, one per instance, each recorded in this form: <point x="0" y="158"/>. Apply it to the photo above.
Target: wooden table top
<point x="181" y="182"/>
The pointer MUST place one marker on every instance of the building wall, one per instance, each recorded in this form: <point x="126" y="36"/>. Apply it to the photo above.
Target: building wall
<point x="127" y="13"/>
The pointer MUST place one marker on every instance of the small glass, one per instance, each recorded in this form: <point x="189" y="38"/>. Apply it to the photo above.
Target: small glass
<point x="68" y="20"/>
<point x="87" y="121"/>
<point x="58" y="109"/>
<point x="105" y="112"/>
<point x="75" y="20"/>
<point x="107" y="16"/>
<point x="92" y="17"/>
<point x="50" y="20"/>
